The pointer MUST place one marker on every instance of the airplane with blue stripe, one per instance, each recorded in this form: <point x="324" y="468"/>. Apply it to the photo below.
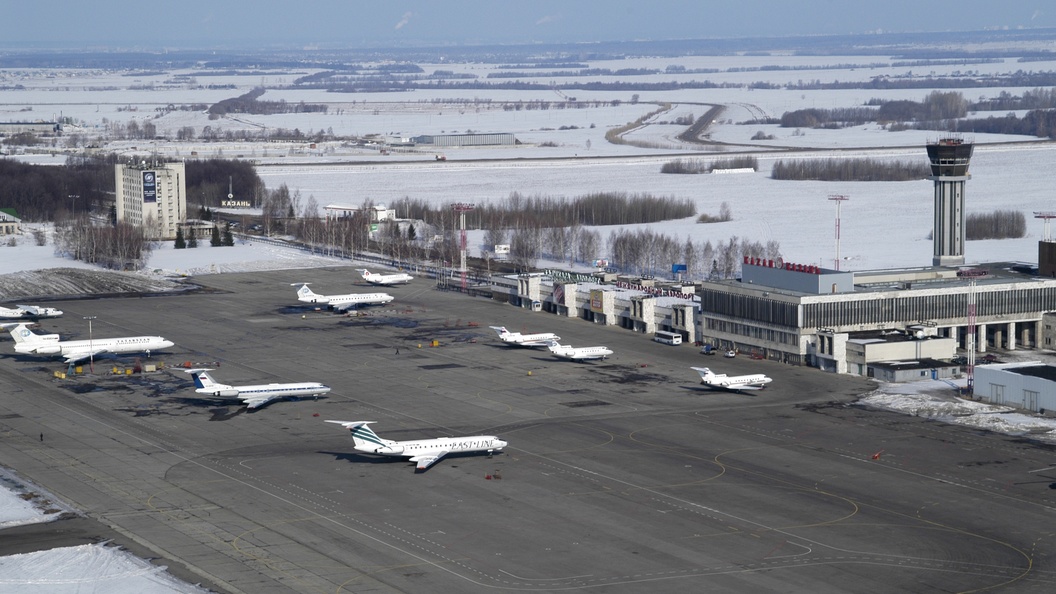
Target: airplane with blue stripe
<point x="253" y="396"/>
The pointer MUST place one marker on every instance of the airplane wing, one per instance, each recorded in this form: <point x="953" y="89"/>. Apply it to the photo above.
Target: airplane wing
<point x="252" y="402"/>
<point x="78" y="356"/>
<point x="738" y="388"/>
<point x="427" y="459"/>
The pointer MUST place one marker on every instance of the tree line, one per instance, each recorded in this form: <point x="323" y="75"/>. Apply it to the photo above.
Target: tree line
<point x="693" y="166"/>
<point x="849" y="170"/>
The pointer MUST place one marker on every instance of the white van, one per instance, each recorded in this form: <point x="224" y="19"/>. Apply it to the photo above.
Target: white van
<point x="671" y="338"/>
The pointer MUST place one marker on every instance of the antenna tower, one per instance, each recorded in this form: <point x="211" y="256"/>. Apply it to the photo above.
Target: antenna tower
<point x="972" y="274"/>
<point x="839" y="199"/>
<point x="462" y="208"/>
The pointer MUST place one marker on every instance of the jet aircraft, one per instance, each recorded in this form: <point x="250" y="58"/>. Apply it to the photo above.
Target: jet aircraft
<point x="253" y="396"/>
<point x="340" y="302"/>
<point x="29" y="312"/>
<point x="28" y="343"/>
<point x="423" y="452"/>
<point x="526" y="340"/>
<point x="398" y="278"/>
<point x="578" y="354"/>
<point x="731" y="382"/>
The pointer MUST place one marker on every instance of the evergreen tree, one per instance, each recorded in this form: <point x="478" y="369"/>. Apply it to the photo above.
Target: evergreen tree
<point x="179" y="244"/>
<point x="215" y="240"/>
<point x="192" y="242"/>
<point x="229" y="239"/>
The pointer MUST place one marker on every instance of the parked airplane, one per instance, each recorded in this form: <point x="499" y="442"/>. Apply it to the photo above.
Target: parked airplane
<point x="736" y="382"/>
<point x="340" y="302"/>
<point x="29" y="311"/>
<point x="423" y="452"/>
<point x="399" y="278"/>
<point x="28" y="343"/>
<point x="253" y="396"/>
<point x="578" y="354"/>
<point x="528" y="340"/>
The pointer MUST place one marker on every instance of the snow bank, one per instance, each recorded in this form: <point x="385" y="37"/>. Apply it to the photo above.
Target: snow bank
<point x="21" y="503"/>
<point x="939" y="401"/>
<point x="86" y="568"/>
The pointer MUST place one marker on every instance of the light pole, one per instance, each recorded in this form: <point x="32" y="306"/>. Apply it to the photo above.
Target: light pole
<point x="91" y="347"/>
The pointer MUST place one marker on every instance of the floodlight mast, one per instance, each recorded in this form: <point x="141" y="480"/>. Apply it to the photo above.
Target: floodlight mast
<point x="839" y="199"/>
<point x="462" y="208"/>
<point x="972" y="274"/>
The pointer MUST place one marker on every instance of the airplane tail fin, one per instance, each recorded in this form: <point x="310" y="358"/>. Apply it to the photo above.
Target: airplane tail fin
<point x="704" y="372"/>
<point x="304" y="291"/>
<point x="500" y="330"/>
<point x="202" y="379"/>
<point x="22" y="334"/>
<point x="362" y="435"/>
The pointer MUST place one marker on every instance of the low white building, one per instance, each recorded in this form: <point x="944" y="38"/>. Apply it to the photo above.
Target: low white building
<point x="1030" y="386"/>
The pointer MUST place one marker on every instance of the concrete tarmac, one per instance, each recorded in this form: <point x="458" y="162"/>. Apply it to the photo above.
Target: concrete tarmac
<point x="622" y="475"/>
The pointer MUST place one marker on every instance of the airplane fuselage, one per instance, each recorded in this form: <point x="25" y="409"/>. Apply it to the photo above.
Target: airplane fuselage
<point x="267" y="390"/>
<point x="451" y="445"/>
<point x="131" y="344"/>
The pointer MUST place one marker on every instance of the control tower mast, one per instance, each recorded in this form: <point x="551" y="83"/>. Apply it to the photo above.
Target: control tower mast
<point x="949" y="170"/>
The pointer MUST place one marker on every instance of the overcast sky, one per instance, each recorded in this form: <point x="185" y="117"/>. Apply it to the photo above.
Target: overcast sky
<point x="399" y="23"/>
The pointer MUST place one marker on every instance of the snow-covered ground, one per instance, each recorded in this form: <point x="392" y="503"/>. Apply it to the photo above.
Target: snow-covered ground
<point x="87" y="568"/>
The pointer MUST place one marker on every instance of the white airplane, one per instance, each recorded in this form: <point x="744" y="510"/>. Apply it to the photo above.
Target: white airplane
<point x="398" y="278"/>
<point x="340" y="302"/>
<point x="29" y="311"/>
<point x="528" y="340"/>
<point x="253" y="396"/>
<point x="578" y="354"/>
<point x="423" y="452"/>
<point x="736" y="382"/>
<point x="28" y="343"/>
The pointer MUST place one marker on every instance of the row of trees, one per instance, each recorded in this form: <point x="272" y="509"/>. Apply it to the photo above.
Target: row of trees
<point x="705" y="166"/>
<point x="518" y="210"/>
<point x="849" y="170"/>
<point x="936" y="106"/>
<point x="999" y="224"/>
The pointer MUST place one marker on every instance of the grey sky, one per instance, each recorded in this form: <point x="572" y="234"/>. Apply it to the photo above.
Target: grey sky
<point x="355" y="23"/>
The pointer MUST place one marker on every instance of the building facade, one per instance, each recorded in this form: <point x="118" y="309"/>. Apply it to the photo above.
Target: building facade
<point x="153" y="196"/>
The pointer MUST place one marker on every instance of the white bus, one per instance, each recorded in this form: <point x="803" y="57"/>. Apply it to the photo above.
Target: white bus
<point x="667" y="337"/>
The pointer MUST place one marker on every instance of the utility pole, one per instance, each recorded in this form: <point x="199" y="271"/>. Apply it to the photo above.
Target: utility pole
<point x="91" y="346"/>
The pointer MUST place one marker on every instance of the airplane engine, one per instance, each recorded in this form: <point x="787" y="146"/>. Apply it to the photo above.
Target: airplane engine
<point x="394" y="450"/>
<point x="48" y="350"/>
<point x="231" y="393"/>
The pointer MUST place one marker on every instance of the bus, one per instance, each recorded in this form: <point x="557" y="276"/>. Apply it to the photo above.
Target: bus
<point x="671" y="338"/>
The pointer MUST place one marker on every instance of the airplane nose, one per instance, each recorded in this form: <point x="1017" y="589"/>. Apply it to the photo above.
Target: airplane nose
<point x="501" y="444"/>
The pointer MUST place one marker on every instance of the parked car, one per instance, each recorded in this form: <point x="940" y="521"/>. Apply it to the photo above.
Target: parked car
<point x="730" y="354"/>
<point x="959" y="360"/>
<point x="707" y="350"/>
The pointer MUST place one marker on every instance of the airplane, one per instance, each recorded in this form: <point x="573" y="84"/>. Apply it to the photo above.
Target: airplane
<point x="527" y="340"/>
<point x="737" y="382"/>
<point x="386" y="279"/>
<point x="253" y="396"/>
<point x="340" y="302"/>
<point x="28" y="343"/>
<point x="578" y="354"/>
<point x="423" y="452"/>
<point x="29" y="311"/>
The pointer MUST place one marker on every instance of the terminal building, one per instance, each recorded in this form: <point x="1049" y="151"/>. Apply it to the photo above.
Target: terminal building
<point x="895" y="324"/>
<point x="153" y="196"/>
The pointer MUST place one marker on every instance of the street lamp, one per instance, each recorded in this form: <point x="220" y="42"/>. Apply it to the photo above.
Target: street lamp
<point x="91" y="347"/>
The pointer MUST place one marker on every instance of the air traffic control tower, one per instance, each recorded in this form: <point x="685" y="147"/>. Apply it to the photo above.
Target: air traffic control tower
<point x="949" y="170"/>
